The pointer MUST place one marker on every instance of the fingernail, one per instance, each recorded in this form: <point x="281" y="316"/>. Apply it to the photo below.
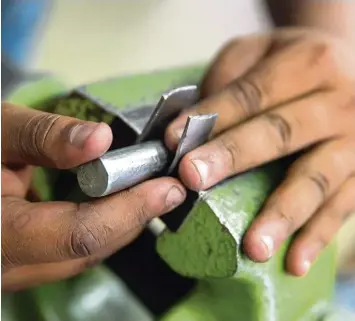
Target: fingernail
<point x="306" y="265"/>
<point x="202" y="170"/>
<point x="175" y="197"/>
<point x="79" y="133"/>
<point x="310" y="255"/>
<point x="268" y="246"/>
<point x="271" y="234"/>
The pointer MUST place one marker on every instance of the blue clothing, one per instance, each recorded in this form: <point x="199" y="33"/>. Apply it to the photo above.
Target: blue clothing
<point x="19" y="20"/>
<point x="345" y="292"/>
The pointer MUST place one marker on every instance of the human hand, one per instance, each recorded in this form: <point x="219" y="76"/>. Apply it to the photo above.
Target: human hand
<point x="47" y="241"/>
<point x="277" y="94"/>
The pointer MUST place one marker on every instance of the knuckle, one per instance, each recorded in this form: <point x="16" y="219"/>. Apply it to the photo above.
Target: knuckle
<point x="35" y="136"/>
<point x="324" y="55"/>
<point x="138" y="209"/>
<point x="231" y="149"/>
<point x="147" y="208"/>
<point x="247" y="95"/>
<point x="321" y="182"/>
<point x="25" y="138"/>
<point x="7" y="259"/>
<point x="309" y="173"/>
<point x="17" y="214"/>
<point x="87" y="238"/>
<point x="85" y="241"/>
<point x="18" y="219"/>
<point x="282" y="128"/>
<point x="142" y="216"/>
<point x="278" y="207"/>
<point x="287" y="218"/>
<point x="325" y="236"/>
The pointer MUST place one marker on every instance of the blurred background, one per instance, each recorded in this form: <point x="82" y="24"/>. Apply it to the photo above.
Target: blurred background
<point x="84" y="41"/>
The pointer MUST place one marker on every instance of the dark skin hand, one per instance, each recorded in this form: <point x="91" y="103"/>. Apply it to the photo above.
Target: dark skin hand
<point x="277" y="94"/>
<point x="48" y="241"/>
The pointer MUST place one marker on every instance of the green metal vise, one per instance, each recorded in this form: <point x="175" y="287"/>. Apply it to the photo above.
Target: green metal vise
<point x="206" y="247"/>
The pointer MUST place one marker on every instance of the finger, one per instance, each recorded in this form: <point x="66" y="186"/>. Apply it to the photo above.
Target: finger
<point x="290" y="72"/>
<point x="33" y="137"/>
<point x="264" y="138"/>
<point x="56" y="231"/>
<point x="234" y="60"/>
<point x="321" y="229"/>
<point x="311" y="180"/>
<point x="15" y="182"/>
<point x="23" y="277"/>
<point x="27" y="276"/>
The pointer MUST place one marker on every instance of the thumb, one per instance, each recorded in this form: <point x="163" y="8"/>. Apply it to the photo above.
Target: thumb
<point x="33" y="137"/>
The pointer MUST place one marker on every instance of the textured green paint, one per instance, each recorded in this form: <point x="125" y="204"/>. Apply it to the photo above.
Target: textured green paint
<point x="37" y="92"/>
<point x="96" y="294"/>
<point x="201" y="248"/>
<point x="256" y="292"/>
<point x="238" y="202"/>
<point x="260" y="293"/>
<point x="208" y="244"/>
<point x="143" y="89"/>
<point x="213" y="301"/>
<point x="81" y="108"/>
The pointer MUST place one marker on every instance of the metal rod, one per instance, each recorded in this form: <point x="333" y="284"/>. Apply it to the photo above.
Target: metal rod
<point x="122" y="168"/>
<point x="156" y="226"/>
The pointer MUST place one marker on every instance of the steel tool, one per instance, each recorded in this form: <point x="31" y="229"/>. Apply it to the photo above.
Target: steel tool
<point x="122" y="168"/>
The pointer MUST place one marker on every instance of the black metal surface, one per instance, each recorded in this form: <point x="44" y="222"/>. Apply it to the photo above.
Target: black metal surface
<point x="148" y="276"/>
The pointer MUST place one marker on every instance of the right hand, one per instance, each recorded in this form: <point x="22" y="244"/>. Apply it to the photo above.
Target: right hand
<point x="48" y="241"/>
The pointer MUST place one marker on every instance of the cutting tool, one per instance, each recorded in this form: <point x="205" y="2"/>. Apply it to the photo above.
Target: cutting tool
<point x="125" y="167"/>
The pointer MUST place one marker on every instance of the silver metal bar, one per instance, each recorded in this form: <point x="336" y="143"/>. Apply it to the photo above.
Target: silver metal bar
<point x="157" y="226"/>
<point x="169" y="106"/>
<point x="137" y="118"/>
<point x="196" y="133"/>
<point x="122" y="168"/>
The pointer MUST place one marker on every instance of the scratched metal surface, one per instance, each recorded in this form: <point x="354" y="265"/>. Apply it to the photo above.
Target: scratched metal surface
<point x="196" y="133"/>
<point x="123" y="168"/>
<point x="168" y="107"/>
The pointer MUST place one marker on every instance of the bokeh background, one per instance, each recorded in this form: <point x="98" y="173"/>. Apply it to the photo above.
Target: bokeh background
<point x="85" y="40"/>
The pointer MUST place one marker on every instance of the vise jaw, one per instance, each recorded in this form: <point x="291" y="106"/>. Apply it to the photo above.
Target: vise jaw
<point x="207" y="245"/>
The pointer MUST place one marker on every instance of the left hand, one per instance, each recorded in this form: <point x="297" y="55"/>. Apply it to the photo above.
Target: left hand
<point x="277" y="94"/>
<point x="49" y="241"/>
